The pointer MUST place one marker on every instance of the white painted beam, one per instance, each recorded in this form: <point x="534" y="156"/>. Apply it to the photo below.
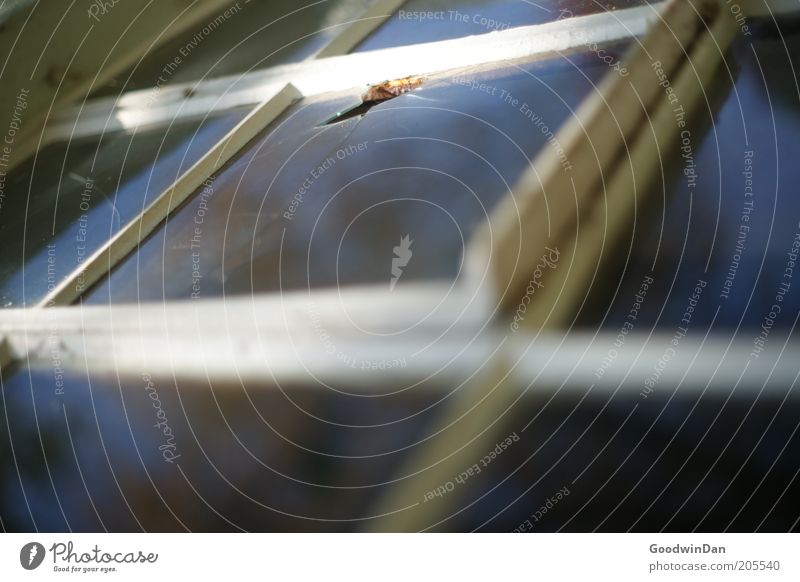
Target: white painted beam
<point x="314" y="77"/>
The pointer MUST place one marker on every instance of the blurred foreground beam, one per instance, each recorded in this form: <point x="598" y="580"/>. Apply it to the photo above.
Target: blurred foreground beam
<point x="573" y="205"/>
<point x="606" y="144"/>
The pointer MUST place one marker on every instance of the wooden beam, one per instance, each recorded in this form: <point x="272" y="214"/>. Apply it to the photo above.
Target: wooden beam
<point x="300" y="338"/>
<point x="328" y="333"/>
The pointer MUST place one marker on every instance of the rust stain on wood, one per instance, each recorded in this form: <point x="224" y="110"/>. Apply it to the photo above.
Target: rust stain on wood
<point x="391" y="89"/>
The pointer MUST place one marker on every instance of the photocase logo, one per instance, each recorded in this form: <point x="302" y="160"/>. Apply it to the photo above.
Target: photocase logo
<point x="402" y="254"/>
<point x="31" y="555"/>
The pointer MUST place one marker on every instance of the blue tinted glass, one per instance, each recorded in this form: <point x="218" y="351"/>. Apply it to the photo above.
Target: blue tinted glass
<point x="85" y="453"/>
<point x="67" y="201"/>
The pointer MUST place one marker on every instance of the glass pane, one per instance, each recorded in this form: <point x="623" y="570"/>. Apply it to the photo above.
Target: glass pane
<point x="316" y="204"/>
<point x="85" y="453"/>
<point x="734" y="235"/>
<point x="66" y="202"/>
<point x="431" y="20"/>
<point x="678" y="462"/>
<point x="243" y="37"/>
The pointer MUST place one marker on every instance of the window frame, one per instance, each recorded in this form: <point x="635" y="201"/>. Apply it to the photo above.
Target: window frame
<point x="169" y="338"/>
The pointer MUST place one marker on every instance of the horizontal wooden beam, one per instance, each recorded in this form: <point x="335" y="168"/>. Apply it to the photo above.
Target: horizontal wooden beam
<point x="353" y="335"/>
<point x="544" y="215"/>
<point x="336" y="73"/>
